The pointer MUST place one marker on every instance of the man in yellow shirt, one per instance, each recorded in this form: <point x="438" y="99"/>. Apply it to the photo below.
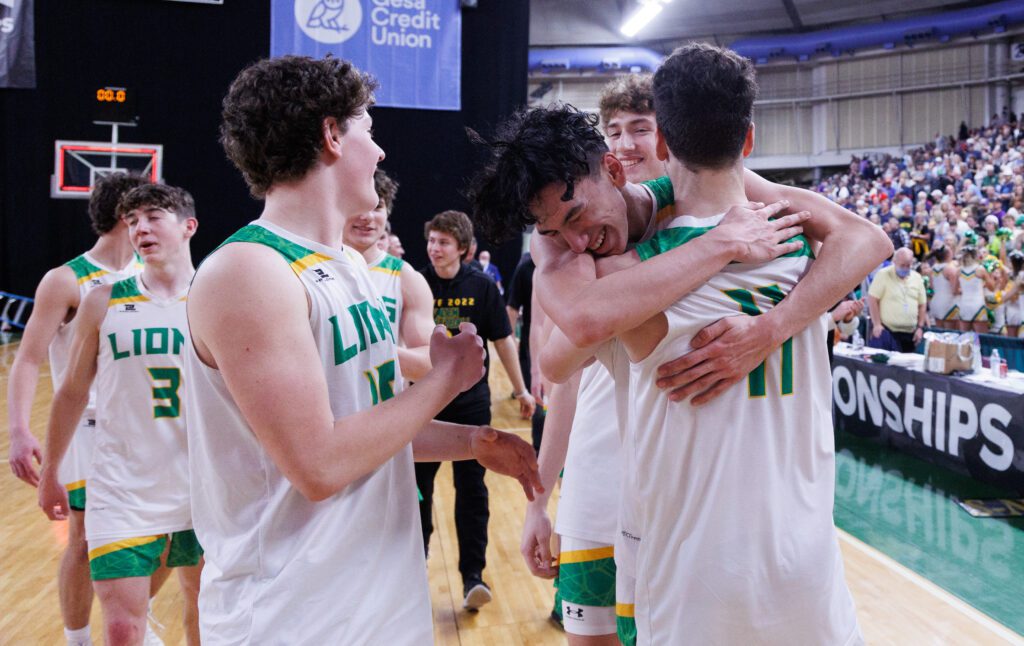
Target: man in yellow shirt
<point x="897" y="303"/>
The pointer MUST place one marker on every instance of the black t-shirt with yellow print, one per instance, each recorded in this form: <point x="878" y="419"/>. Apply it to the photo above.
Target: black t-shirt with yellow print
<point x="470" y="296"/>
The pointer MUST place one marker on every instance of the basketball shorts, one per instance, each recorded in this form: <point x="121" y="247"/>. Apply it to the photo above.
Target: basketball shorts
<point x="625" y="586"/>
<point x="74" y="469"/>
<point x="586" y="584"/>
<point x="141" y="555"/>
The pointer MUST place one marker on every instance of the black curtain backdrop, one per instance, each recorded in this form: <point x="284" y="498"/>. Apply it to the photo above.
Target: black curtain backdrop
<point x="179" y="58"/>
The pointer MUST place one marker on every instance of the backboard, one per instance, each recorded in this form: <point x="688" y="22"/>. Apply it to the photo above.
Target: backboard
<point x="78" y="164"/>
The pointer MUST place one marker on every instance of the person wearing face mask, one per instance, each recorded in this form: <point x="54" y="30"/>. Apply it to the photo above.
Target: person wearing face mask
<point x="897" y="302"/>
<point x="491" y="270"/>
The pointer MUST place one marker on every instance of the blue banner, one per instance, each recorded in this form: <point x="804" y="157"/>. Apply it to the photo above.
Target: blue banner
<point x="413" y="47"/>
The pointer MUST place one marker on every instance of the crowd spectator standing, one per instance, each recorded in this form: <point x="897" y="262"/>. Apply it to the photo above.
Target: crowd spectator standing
<point x="897" y="303"/>
<point x="954" y="196"/>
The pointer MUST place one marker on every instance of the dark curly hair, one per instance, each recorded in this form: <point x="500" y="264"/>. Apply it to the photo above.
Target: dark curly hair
<point x="158" y="196"/>
<point x="628" y="93"/>
<point x="104" y="198"/>
<point x="531" y="150"/>
<point x="386" y="188"/>
<point x="273" y="115"/>
<point x="454" y="223"/>
<point x="704" y="99"/>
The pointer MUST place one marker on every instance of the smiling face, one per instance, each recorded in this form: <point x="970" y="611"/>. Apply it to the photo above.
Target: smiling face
<point x="158" y="235"/>
<point x="444" y="252"/>
<point x="631" y="137"/>
<point x="593" y="221"/>
<point x="363" y="231"/>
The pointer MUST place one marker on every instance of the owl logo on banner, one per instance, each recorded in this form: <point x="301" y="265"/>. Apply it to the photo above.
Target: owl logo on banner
<point x="329" y="21"/>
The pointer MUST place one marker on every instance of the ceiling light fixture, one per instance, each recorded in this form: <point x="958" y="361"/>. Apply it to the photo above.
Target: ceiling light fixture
<point x="645" y="14"/>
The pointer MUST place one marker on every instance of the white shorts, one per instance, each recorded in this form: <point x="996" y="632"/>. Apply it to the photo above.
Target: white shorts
<point x="77" y="464"/>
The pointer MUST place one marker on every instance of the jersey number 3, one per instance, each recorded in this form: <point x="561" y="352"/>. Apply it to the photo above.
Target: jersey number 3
<point x="166" y="402"/>
<point x="757" y="380"/>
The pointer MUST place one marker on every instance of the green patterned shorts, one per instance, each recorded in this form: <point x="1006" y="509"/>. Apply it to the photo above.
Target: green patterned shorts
<point x="140" y="556"/>
<point x="586" y="584"/>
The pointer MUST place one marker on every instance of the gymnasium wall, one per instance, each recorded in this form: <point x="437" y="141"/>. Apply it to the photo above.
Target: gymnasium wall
<point x="872" y="100"/>
<point x="180" y="58"/>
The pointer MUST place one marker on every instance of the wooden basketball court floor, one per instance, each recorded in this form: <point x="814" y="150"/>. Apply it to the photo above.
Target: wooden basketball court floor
<point x="895" y="605"/>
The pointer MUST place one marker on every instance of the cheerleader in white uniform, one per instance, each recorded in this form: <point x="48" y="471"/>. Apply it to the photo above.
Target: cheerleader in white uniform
<point x="943" y="305"/>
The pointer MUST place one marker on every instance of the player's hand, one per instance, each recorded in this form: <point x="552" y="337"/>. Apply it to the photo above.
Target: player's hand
<point x="24" y="448"/>
<point x="918" y="335"/>
<point x="527" y="404"/>
<point x="508" y="455"/>
<point x="723" y="353"/>
<point x="876" y="331"/>
<point x="460" y="358"/>
<point x="856" y="308"/>
<point x="53" y="497"/>
<point x="759" y="239"/>
<point x="536" y="543"/>
<point x="846" y="310"/>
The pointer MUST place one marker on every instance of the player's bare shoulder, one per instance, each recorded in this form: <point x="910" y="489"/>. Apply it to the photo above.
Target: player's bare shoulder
<point x="413" y="283"/>
<point x="94" y="306"/>
<point x="242" y="287"/>
<point x="58" y="290"/>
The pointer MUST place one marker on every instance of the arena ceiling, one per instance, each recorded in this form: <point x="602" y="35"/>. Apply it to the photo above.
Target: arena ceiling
<point x="596" y="22"/>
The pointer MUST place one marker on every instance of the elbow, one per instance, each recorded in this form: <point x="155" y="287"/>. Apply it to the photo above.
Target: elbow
<point x="316" y="487"/>
<point x="314" y="494"/>
<point x="585" y="329"/>
<point x="878" y="245"/>
<point x="552" y="369"/>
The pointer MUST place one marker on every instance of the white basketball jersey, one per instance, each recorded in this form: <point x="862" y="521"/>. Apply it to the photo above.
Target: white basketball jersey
<point x="386" y="276"/>
<point x="588" y="506"/>
<point x="139" y="480"/>
<point x="279" y="568"/>
<point x="89" y="273"/>
<point x="738" y="543"/>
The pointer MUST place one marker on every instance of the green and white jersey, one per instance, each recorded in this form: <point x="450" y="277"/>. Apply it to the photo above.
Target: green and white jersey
<point x="139" y="481"/>
<point x="737" y="540"/>
<point x="279" y="568"/>
<point x="386" y="276"/>
<point x="589" y="505"/>
<point x="89" y="273"/>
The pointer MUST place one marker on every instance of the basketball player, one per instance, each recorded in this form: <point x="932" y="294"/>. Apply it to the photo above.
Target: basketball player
<point x="405" y="293"/>
<point x="589" y="492"/>
<point x="297" y="428"/>
<point x="598" y="214"/>
<point x="49" y="330"/>
<point x="129" y="338"/>
<point x="737" y="539"/>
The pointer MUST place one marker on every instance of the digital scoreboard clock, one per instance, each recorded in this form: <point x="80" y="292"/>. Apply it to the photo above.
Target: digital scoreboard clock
<point x="113" y="104"/>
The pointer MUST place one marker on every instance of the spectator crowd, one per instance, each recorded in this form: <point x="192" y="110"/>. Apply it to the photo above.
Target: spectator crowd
<point x="957" y="204"/>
